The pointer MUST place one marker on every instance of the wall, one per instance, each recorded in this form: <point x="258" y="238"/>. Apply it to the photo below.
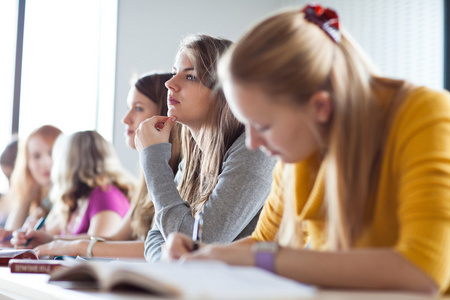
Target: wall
<point x="149" y="33"/>
<point x="404" y="38"/>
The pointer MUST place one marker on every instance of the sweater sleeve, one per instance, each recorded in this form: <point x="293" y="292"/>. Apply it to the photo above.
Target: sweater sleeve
<point x="272" y="212"/>
<point x="153" y="242"/>
<point x="423" y="170"/>
<point x="232" y="207"/>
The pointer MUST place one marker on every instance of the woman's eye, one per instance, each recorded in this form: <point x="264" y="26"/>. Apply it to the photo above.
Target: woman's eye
<point x="174" y="74"/>
<point x="263" y="128"/>
<point x="190" y="77"/>
<point x="139" y="109"/>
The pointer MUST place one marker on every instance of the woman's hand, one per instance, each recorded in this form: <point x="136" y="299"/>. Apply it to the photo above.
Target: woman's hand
<point x="30" y="239"/>
<point x="154" y="130"/>
<point x="177" y="245"/>
<point x="5" y="238"/>
<point x="61" y="247"/>
<point x="234" y="255"/>
<point x="180" y="246"/>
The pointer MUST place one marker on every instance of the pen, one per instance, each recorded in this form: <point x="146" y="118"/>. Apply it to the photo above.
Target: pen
<point x="197" y="231"/>
<point x="8" y="238"/>
<point x="38" y="226"/>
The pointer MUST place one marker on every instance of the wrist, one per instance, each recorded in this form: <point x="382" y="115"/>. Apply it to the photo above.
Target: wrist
<point x="81" y="247"/>
<point x="264" y="254"/>
<point x="92" y="242"/>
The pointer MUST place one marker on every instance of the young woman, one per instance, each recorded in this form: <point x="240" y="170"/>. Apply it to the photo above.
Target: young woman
<point x="30" y="180"/>
<point x="147" y="97"/>
<point x="90" y="190"/>
<point x="218" y="176"/>
<point x="365" y="162"/>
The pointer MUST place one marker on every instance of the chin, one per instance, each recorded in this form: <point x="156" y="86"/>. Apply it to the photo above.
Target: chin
<point x="287" y="160"/>
<point x="170" y="114"/>
<point x="130" y="142"/>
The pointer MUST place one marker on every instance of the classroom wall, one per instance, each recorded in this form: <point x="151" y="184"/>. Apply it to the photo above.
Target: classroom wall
<point x="148" y="35"/>
<point x="403" y="37"/>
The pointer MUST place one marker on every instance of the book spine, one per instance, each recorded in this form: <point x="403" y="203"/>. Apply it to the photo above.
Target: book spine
<point x="33" y="268"/>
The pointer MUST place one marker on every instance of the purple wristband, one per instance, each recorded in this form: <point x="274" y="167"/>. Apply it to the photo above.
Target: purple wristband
<point x="265" y="255"/>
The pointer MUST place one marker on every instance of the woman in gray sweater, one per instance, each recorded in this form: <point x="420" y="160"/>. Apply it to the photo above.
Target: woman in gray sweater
<point x="218" y="176"/>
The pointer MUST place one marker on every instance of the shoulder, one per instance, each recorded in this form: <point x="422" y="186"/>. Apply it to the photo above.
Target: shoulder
<point x="107" y="194"/>
<point x="239" y="154"/>
<point x="425" y="104"/>
<point x="109" y="198"/>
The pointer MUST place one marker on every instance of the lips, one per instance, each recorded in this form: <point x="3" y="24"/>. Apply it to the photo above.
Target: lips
<point x="129" y="132"/>
<point x="173" y="101"/>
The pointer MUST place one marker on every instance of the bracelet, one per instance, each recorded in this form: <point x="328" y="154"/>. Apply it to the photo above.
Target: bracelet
<point x="94" y="240"/>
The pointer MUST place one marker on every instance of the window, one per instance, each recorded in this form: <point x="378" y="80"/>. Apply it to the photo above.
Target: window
<point x="68" y="66"/>
<point x="64" y="50"/>
<point x="8" y="32"/>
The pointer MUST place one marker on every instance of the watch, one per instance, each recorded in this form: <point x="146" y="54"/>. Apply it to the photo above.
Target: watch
<point x="94" y="240"/>
<point x="265" y="255"/>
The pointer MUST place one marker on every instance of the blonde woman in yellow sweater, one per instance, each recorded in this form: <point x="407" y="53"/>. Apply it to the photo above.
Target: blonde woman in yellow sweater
<point x="361" y="196"/>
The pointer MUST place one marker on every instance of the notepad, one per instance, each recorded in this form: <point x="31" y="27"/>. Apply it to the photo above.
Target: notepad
<point x="193" y="280"/>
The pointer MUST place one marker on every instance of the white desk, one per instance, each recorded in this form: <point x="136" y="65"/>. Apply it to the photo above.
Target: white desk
<point x="36" y="286"/>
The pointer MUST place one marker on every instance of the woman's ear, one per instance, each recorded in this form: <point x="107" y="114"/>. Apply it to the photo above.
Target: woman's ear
<point x="321" y="106"/>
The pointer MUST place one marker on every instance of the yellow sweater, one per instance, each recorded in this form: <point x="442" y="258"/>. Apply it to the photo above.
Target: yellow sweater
<point x="412" y="208"/>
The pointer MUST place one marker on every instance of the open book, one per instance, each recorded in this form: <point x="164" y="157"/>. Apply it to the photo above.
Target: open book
<point x="7" y="254"/>
<point x="193" y="280"/>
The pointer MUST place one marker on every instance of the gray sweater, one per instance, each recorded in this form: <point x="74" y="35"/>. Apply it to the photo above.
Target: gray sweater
<point x="232" y="209"/>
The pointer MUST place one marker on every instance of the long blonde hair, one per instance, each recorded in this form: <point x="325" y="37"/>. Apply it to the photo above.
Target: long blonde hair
<point x="82" y="162"/>
<point x="287" y="55"/>
<point x="24" y="189"/>
<point x="201" y="167"/>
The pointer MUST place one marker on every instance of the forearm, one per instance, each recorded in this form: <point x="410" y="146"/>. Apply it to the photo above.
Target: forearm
<point x="364" y="269"/>
<point x="153" y="244"/>
<point x="131" y="249"/>
<point x="170" y="208"/>
<point x="71" y="237"/>
<point x="17" y="217"/>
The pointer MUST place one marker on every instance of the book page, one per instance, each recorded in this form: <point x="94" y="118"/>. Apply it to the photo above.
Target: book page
<point x="220" y="281"/>
<point x="196" y="280"/>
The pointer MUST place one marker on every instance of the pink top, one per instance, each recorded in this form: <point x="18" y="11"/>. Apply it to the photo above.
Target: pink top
<point x="99" y="200"/>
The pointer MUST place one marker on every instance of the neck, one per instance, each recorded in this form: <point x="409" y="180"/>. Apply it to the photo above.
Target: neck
<point x="195" y="132"/>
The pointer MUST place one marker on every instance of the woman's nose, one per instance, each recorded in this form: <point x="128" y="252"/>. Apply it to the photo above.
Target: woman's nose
<point x="126" y="118"/>
<point x="253" y="141"/>
<point x="171" y="84"/>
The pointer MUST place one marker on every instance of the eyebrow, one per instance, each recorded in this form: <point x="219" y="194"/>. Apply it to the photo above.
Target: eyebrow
<point x="187" y="69"/>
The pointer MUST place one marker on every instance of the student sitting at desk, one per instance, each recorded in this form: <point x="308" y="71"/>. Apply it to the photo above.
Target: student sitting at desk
<point x="218" y="175"/>
<point x="147" y="98"/>
<point x="90" y="190"/>
<point x="365" y="162"/>
<point x="27" y="199"/>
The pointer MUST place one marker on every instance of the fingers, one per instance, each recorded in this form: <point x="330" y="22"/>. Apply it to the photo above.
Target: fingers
<point x="152" y="131"/>
<point x="167" y="125"/>
<point x="52" y="248"/>
<point x="42" y="250"/>
<point x="19" y="238"/>
<point x="177" y="245"/>
<point x="5" y="238"/>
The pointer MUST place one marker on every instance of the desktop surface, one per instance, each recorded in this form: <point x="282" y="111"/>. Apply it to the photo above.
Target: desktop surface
<point x="35" y="286"/>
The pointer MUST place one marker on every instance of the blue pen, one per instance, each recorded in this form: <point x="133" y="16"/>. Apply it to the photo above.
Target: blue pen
<point x="38" y="226"/>
<point x="8" y="238"/>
